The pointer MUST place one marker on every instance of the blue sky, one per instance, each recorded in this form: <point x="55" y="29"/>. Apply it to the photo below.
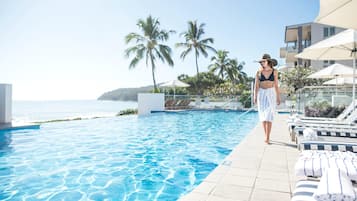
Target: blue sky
<point x="57" y="50"/>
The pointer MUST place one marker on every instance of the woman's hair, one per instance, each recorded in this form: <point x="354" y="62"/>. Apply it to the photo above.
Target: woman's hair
<point x="270" y="63"/>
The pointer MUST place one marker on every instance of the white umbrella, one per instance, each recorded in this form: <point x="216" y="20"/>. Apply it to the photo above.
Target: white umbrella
<point x="341" y="46"/>
<point x="174" y="84"/>
<point x="340" y="81"/>
<point x="340" y="13"/>
<point x="334" y="70"/>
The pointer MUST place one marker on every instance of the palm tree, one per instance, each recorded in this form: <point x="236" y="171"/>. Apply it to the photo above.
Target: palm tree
<point x="194" y="42"/>
<point x="235" y="72"/>
<point x="221" y="63"/>
<point x="148" y="45"/>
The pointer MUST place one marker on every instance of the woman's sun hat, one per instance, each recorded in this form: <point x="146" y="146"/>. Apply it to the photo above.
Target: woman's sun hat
<point x="267" y="57"/>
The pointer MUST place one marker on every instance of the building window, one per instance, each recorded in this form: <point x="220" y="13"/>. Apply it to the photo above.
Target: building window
<point x="332" y="31"/>
<point x="325" y="63"/>
<point x="325" y="33"/>
<point x="329" y="31"/>
<point x="328" y="63"/>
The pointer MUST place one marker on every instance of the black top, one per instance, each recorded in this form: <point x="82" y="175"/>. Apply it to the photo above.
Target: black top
<point x="270" y="78"/>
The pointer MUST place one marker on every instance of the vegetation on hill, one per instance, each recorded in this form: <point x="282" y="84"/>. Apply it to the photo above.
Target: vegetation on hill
<point x="125" y="94"/>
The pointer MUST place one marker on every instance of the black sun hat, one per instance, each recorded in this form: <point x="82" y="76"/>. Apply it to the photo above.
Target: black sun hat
<point x="267" y="57"/>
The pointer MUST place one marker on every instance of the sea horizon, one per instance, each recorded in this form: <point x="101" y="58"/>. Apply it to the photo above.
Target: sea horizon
<point x="48" y="110"/>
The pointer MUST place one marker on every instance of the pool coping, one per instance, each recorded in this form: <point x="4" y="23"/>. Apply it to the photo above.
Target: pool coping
<point x="18" y="126"/>
<point x="253" y="170"/>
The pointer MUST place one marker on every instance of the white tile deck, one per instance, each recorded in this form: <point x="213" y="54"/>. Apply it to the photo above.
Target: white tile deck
<point x="253" y="171"/>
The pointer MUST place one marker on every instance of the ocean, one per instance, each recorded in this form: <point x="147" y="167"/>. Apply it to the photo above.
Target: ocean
<point x="30" y="111"/>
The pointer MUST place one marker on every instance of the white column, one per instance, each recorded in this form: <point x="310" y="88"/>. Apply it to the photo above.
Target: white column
<point x="5" y="103"/>
<point x="148" y="102"/>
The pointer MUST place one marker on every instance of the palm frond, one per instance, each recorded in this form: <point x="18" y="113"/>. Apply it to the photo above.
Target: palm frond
<point x="203" y="51"/>
<point x="207" y="40"/>
<point x="201" y="30"/>
<point x="185" y="45"/>
<point x="134" y="62"/>
<point x="185" y="52"/>
<point x="210" y="48"/>
<point x="134" y="36"/>
<point x="134" y="50"/>
<point x="166" y="53"/>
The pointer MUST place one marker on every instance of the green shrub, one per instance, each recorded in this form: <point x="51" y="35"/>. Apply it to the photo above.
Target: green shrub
<point x="127" y="112"/>
<point x="322" y="109"/>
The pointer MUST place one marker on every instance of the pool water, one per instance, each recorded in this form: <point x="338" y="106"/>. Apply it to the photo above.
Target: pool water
<point x="157" y="157"/>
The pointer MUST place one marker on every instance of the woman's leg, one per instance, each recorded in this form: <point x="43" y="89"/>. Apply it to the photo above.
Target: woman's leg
<point x="265" y="130"/>
<point x="269" y="125"/>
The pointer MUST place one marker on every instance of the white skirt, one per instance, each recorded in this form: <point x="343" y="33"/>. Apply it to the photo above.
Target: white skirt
<point x="266" y="104"/>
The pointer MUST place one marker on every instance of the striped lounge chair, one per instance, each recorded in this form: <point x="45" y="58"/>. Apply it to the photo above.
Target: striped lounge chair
<point x="347" y="131"/>
<point x="312" y="163"/>
<point x="347" y="117"/>
<point x="329" y="144"/>
<point x="305" y="189"/>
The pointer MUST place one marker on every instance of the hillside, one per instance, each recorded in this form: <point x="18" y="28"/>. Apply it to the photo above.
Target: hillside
<point x="125" y="94"/>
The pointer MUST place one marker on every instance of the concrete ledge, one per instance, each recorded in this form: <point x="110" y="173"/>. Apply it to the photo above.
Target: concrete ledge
<point x="13" y="126"/>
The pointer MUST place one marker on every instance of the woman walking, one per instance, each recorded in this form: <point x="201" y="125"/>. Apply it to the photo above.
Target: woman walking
<point x="267" y="93"/>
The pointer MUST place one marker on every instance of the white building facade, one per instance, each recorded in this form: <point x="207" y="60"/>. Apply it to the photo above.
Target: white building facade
<point x="300" y="36"/>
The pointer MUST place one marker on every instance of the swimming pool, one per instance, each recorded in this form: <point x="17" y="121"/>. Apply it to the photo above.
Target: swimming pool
<point x="158" y="157"/>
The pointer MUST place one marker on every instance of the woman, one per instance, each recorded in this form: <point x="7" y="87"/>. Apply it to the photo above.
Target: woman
<point x="267" y="93"/>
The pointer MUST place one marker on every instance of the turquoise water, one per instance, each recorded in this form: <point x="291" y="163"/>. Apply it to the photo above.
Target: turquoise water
<point x="158" y="157"/>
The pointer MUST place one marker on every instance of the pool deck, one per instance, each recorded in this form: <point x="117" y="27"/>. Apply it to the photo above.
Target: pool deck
<point x="253" y="171"/>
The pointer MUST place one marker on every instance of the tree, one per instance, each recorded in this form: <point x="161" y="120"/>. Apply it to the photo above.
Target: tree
<point x="235" y="72"/>
<point x="296" y="79"/>
<point x="208" y="81"/>
<point x="220" y="63"/>
<point x="194" y="42"/>
<point x="148" y="45"/>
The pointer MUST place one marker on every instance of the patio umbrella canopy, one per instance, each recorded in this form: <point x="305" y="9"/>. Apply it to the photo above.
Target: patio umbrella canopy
<point x="335" y="70"/>
<point x="340" y="81"/>
<point x="173" y="84"/>
<point x="340" y="13"/>
<point x="341" y="46"/>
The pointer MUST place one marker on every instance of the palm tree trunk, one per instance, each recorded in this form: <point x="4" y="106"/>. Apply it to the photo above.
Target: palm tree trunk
<point x="198" y="73"/>
<point x="153" y="72"/>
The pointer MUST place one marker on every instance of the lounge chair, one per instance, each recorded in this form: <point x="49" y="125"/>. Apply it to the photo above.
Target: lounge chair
<point x="348" y="116"/>
<point x="337" y="131"/>
<point x="170" y="104"/>
<point x="313" y="163"/>
<point x="346" y="124"/>
<point x="305" y="189"/>
<point x="333" y="146"/>
<point x="347" y="111"/>
<point x="183" y="104"/>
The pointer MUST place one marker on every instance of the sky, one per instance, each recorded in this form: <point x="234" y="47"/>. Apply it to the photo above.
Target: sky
<point x="74" y="50"/>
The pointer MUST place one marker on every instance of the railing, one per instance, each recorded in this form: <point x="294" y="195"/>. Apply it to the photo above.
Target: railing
<point x="332" y="95"/>
<point x="202" y="102"/>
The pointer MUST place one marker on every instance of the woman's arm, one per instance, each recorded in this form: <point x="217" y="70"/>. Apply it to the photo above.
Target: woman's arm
<point x="256" y="87"/>
<point x="276" y="85"/>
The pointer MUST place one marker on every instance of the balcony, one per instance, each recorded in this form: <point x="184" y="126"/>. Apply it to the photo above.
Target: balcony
<point x="286" y="52"/>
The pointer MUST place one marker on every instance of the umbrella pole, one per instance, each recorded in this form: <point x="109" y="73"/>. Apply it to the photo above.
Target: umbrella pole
<point x="354" y="78"/>
<point x="336" y="85"/>
<point x="174" y="92"/>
